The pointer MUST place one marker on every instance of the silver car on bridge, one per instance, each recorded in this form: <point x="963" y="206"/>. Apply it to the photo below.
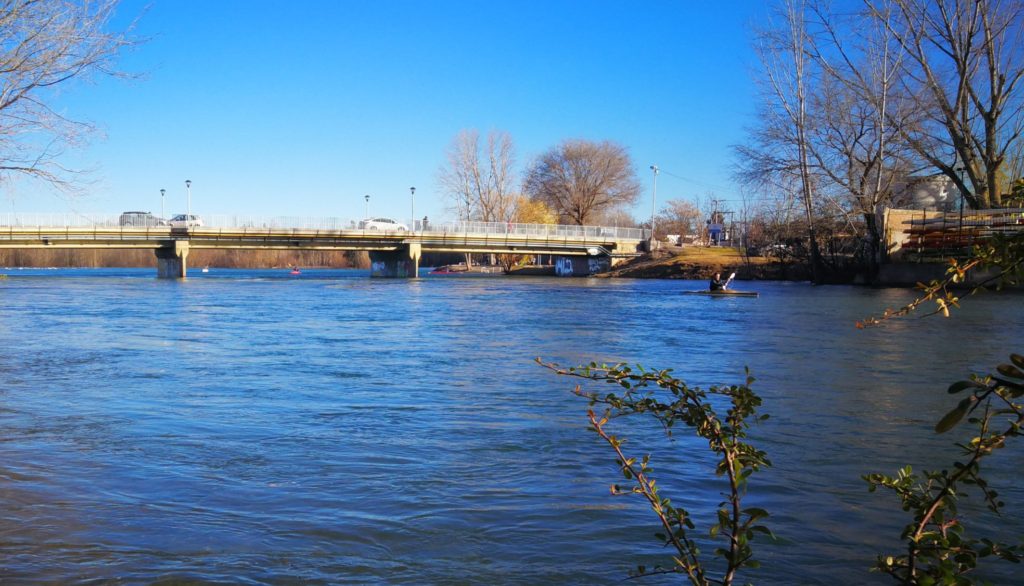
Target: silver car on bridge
<point x="186" y="221"/>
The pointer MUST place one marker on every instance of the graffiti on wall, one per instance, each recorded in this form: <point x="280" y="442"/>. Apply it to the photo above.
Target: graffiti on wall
<point x="563" y="266"/>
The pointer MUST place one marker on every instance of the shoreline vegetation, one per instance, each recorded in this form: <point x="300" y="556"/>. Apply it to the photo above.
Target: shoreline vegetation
<point x="235" y="259"/>
<point x="692" y="262"/>
<point x="668" y="262"/>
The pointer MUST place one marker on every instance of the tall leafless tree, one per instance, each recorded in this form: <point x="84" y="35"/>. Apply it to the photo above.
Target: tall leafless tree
<point x="44" y="44"/>
<point x="965" y="56"/>
<point x="580" y="178"/>
<point x="480" y="179"/>
<point x="861" y="117"/>
<point x="780" y="153"/>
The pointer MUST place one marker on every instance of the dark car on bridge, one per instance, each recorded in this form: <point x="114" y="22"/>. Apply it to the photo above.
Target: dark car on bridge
<point x="140" y="220"/>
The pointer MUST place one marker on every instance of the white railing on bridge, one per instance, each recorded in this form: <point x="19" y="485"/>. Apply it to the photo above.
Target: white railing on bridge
<point x="556" y="230"/>
<point x="328" y="223"/>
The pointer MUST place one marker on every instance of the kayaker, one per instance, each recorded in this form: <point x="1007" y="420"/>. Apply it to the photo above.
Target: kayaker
<point x="716" y="283"/>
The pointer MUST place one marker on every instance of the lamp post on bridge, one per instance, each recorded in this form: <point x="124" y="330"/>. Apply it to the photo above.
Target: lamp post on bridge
<point x="163" y="215"/>
<point x="412" y="203"/>
<point x="366" y="215"/>
<point x="188" y="203"/>
<point x="654" y="202"/>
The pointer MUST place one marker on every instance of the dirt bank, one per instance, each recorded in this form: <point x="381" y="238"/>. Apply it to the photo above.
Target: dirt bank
<point x="702" y="263"/>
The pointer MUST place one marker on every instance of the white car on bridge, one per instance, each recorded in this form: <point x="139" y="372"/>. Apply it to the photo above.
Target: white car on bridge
<point x="382" y="224"/>
<point x="186" y="221"/>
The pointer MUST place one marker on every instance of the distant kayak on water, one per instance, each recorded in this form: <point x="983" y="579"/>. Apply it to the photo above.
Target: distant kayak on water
<point x="295" y="271"/>
<point x="449" y="270"/>
<point x="722" y="293"/>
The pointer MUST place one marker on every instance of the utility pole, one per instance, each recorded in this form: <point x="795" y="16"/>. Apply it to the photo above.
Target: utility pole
<point x="654" y="202"/>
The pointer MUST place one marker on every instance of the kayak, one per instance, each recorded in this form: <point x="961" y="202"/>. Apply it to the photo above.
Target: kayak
<point x="449" y="270"/>
<point x="722" y="293"/>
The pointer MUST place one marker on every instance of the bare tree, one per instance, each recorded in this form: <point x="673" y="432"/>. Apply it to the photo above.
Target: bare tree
<point x="780" y="155"/>
<point x="856" y="140"/>
<point x="679" y="216"/>
<point x="580" y="178"/>
<point x="480" y="178"/>
<point x="44" y="44"/>
<point x="965" y="56"/>
<point x="618" y="217"/>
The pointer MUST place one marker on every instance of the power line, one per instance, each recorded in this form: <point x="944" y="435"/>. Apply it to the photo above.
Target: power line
<point x="701" y="183"/>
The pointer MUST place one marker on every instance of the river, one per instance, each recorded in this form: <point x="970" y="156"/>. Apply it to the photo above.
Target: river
<point x="255" y="427"/>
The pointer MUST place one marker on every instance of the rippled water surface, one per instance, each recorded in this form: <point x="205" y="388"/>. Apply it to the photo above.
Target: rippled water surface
<point x="253" y="427"/>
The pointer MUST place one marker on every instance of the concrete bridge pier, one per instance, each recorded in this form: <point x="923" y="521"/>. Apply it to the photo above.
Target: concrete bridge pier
<point x="581" y="266"/>
<point x="403" y="263"/>
<point x="172" y="260"/>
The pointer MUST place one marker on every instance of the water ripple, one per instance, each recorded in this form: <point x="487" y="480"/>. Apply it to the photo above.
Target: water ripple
<point x="244" y="428"/>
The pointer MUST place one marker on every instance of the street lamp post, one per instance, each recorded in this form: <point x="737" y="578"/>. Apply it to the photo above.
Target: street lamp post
<point x="163" y="215"/>
<point x="412" y="202"/>
<point x="188" y="203"/>
<point x="366" y="215"/>
<point x="654" y="201"/>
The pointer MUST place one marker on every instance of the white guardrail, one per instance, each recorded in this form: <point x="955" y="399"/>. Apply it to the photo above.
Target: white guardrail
<point x="233" y="222"/>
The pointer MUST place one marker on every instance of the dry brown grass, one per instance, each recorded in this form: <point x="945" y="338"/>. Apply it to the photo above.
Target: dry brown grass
<point x="696" y="262"/>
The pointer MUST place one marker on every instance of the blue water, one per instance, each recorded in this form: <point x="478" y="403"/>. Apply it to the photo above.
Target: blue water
<point x="255" y="427"/>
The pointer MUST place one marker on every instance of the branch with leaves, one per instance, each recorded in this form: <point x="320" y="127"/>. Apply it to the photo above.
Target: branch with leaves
<point x="673" y="403"/>
<point x="1004" y="254"/>
<point x="938" y="549"/>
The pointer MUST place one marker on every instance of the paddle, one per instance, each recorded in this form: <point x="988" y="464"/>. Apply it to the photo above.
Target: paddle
<point x="729" y="280"/>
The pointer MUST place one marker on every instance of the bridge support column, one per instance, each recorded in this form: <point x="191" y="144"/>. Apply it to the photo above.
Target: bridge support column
<point x="403" y="263"/>
<point x="581" y="266"/>
<point x="171" y="260"/>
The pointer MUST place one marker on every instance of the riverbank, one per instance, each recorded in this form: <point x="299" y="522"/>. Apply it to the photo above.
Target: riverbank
<point x="698" y="262"/>
<point x="694" y="263"/>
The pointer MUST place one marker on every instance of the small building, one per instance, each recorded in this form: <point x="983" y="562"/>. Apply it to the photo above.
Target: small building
<point x="926" y="192"/>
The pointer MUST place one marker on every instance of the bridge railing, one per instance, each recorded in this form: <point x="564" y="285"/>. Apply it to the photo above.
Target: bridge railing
<point x="58" y="220"/>
<point x="538" y="230"/>
<point x="245" y="222"/>
<point x="239" y="222"/>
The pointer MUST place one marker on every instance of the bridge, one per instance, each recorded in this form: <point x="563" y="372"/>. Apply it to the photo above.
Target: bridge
<point x="578" y="250"/>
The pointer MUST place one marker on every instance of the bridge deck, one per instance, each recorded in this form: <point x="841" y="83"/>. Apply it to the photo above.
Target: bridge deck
<point x="516" y="241"/>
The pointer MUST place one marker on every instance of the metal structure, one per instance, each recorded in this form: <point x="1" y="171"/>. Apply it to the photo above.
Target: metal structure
<point x="940" y="235"/>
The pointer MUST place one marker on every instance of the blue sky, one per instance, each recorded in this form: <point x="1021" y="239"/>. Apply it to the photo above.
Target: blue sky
<point x="302" y="108"/>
